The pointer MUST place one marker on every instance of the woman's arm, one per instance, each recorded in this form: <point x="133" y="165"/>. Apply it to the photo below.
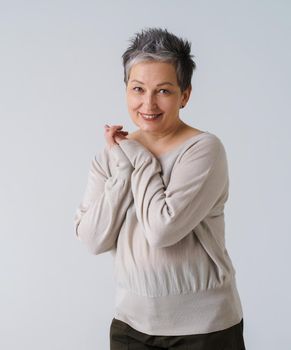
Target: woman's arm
<point x="99" y="217"/>
<point x="198" y="179"/>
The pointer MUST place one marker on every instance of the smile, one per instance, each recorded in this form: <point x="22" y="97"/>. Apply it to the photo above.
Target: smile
<point x="150" y="116"/>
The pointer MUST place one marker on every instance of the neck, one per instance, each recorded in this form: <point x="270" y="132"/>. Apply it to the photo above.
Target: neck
<point x="165" y="136"/>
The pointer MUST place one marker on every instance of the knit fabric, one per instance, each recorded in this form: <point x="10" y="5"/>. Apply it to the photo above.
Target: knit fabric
<point x="162" y="219"/>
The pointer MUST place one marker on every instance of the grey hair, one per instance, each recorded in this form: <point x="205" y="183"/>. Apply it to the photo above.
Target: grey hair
<point x="157" y="44"/>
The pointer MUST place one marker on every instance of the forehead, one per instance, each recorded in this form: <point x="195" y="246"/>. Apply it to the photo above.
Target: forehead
<point x="153" y="72"/>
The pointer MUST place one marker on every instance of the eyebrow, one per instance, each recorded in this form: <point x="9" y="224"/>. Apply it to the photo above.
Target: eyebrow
<point x="164" y="83"/>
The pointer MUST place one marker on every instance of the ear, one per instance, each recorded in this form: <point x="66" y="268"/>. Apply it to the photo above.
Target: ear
<point x="186" y="95"/>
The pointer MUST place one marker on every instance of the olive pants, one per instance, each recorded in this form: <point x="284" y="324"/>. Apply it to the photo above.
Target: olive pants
<point x="124" y="337"/>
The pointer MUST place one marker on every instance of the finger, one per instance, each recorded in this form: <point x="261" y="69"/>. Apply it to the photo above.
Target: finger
<point x="117" y="127"/>
<point x="114" y="126"/>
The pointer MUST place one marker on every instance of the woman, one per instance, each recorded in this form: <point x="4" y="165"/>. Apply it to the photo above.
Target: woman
<point x="155" y="199"/>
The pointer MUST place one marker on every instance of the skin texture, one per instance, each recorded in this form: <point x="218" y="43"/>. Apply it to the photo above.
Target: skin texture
<point x="113" y="134"/>
<point x="147" y="97"/>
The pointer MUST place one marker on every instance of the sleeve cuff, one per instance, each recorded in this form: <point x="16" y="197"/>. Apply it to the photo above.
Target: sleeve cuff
<point x="135" y="152"/>
<point x="121" y="160"/>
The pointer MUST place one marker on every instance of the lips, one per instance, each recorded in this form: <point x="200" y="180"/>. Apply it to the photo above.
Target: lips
<point x="145" y="115"/>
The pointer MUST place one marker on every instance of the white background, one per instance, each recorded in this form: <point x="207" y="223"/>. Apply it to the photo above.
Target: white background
<point x="61" y="80"/>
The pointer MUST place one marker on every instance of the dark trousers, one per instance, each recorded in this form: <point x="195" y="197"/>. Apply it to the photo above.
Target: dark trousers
<point x="124" y="337"/>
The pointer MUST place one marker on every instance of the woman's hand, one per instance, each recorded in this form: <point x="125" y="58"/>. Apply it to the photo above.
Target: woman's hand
<point x="114" y="134"/>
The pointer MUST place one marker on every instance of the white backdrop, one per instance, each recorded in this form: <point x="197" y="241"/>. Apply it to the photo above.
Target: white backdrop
<point x="61" y="80"/>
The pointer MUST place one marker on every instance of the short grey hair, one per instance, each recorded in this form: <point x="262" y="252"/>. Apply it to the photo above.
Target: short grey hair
<point x="157" y="44"/>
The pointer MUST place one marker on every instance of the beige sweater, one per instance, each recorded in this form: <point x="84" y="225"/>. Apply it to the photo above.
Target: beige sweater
<point x="162" y="218"/>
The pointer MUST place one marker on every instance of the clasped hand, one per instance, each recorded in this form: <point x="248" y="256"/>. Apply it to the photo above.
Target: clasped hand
<point x="114" y="134"/>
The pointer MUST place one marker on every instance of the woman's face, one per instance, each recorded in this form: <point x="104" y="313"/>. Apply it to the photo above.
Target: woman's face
<point x="153" y="89"/>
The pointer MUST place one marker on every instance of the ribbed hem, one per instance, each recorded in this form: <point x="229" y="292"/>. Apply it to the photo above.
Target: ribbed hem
<point x="181" y="314"/>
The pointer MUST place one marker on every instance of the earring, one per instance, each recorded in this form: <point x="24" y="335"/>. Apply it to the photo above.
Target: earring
<point x="182" y="106"/>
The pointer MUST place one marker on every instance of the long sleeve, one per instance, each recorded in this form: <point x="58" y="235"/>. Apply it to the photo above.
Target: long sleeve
<point x="198" y="179"/>
<point x="107" y="196"/>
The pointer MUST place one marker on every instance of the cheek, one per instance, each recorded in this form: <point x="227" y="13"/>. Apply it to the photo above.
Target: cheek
<point x="133" y="104"/>
<point x="132" y="107"/>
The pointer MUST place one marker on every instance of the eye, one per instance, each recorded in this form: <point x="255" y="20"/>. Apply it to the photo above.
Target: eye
<point x="167" y="91"/>
<point x="136" y="87"/>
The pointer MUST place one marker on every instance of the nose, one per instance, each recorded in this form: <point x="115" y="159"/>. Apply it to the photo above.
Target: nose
<point x="149" y="102"/>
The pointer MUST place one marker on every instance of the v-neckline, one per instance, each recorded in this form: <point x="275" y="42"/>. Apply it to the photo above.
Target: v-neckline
<point x="177" y="148"/>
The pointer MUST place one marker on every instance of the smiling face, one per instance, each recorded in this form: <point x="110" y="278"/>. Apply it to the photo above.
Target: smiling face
<point x="153" y="89"/>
